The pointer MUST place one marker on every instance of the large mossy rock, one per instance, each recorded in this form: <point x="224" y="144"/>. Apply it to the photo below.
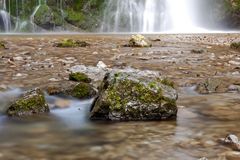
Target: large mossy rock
<point x="126" y="97"/>
<point x="30" y="103"/>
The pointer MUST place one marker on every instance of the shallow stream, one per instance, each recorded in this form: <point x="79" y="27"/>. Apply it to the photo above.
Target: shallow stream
<point x="66" y="133"/>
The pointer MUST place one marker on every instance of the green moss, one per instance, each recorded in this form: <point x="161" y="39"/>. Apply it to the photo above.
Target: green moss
<point x="43" y="14"/>
<point x="235" y="45"/>
<point x="28" y="104"/>
<point x="79" y="77"/>
<point x="73" y="16"/>
<point x="168" y="82"/>
<point x="70" y="43"/>
<point x="122" y="93"/>
<point x="2" y="45"/>
<point x="32" y="102"/>
<point x="82" y="90"/>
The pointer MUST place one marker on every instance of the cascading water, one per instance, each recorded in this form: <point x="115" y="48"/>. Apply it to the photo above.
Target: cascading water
<point x="5" y="19"/>
<point x="182" y="16"/>
<point x="149" y="16"/>
<point x="123" y="15"/>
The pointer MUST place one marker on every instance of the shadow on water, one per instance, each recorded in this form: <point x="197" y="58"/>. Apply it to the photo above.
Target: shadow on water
<point x="67" y="133"/>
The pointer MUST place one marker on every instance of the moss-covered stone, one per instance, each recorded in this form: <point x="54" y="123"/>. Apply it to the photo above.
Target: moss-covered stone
<point x="74" y="89"/>
<point x="30" y="103"/>
<point x="82" y="91"/>
<point x="235" y="45"/>
<point x="79" y="77"/>
<point x="2" y="45"/>
<point x="125" y="97"/>
<point x="70" y="43"/>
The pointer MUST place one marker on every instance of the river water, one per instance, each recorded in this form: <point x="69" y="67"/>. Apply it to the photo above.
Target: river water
<point x="68" y="134"/>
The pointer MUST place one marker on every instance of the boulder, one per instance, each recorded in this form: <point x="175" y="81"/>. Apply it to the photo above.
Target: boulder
<point x="131" y="97"/>
<point x="139" y="41"/>
<point x="30" y="103"/>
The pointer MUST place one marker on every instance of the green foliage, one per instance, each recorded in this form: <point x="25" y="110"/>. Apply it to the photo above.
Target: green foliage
<point x="73" y="16"/>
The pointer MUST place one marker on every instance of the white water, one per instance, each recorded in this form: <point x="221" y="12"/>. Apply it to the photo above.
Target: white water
<point x="120" y="15"/>
<point x="182" y="16"/>
<point x="5" y="20"/>
<point x="5" y="17"/>
<point x="150" y="16"/>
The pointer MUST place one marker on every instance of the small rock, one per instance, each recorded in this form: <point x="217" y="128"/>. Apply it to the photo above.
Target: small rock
<point x="138" y="41"/>
<point x="101" y="65"/>
<point x="30" y="103"/>
<point x="18" y="58"/>
<point x="197" y="51"/>
<point x="236" y="73"/>
<point x="234" y="63"/>
<point x="232" y="141"/>
<point x="54" y="80"/>
<point x="234" y="88"/>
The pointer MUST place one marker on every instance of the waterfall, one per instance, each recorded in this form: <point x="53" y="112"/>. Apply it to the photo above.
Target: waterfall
<point x="150" y="16"/>
<point x="123" y="15"/>
<point x="5" y="20"/>
<point x="182" y="16"/>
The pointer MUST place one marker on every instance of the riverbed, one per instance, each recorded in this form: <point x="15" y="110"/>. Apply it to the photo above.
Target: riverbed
<point x="66" y="133"/>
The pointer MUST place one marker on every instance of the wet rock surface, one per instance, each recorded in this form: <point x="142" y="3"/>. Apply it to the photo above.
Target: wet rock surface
<point x="128" y="96"/>
<point x="30" y="103"/>
<point x="231" y="141"/>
